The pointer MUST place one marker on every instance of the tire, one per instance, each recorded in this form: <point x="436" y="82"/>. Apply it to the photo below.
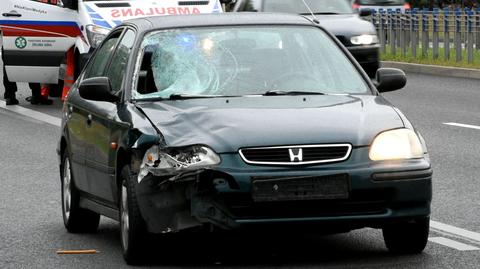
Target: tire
<point x="76" y="219"/>
<point x="407" y="238"/>
<point x="133" y="230"/>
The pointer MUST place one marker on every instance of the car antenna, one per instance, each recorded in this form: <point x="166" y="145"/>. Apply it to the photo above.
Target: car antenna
<point x="314" y="18"/>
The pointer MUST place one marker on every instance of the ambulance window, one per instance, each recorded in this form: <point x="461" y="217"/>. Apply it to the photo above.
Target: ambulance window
<point x="51" y="2"/>
<point x="116" y="70"/>
<point x="96" y="67"/>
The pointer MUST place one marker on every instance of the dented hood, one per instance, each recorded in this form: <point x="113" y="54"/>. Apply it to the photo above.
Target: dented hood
<point x="227" y="124"/>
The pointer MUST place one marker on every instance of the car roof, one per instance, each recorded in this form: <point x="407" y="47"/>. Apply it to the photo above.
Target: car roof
<point x="222" y="19"/>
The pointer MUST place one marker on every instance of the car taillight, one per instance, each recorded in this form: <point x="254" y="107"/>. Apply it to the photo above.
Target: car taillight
<point x="407" y="6"/>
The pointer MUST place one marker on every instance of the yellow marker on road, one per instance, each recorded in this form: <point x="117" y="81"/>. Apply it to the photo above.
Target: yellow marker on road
<point x="85" y="251"/>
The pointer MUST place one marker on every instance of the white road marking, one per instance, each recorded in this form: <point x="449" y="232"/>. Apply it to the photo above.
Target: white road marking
<point x="455" y="230"/>
<point x="452" y="243"/>
<point x="462" y="125"/>
<point x="31" y="113"/>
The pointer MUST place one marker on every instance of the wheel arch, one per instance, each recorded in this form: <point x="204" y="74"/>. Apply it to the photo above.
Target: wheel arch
<point x="123" y="158"/>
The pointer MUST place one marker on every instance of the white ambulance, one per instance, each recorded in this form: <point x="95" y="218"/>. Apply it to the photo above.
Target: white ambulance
<point x="41" y="36"/>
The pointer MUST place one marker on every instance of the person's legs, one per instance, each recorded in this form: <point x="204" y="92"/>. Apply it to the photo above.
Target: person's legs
<point x="37" y="98"/>
<point x="10" y="89"/>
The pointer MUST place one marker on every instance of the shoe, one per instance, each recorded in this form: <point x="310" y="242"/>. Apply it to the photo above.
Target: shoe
<point x="39" y="100"/>
<point x="11" y="101"/>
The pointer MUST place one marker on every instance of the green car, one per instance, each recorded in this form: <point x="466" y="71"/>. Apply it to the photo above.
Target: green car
<point x="238" y="121"/>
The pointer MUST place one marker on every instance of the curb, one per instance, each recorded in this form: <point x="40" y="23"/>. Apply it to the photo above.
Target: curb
<point x="445" y="71"/>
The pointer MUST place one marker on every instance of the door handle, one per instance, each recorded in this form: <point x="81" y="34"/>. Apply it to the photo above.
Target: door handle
<point x="12" y="13"/>
<point x="89" y="119"/>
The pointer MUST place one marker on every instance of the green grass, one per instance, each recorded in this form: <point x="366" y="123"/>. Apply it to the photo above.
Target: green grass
<point x="428" y="59"/>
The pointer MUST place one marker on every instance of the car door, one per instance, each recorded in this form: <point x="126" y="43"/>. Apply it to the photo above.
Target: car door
<point x="36" y="34"/>
<point x="105" y="125"/>
<point x="82" y="113"/>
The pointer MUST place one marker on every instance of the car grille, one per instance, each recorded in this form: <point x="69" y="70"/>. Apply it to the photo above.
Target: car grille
<point x="296" y="155"/>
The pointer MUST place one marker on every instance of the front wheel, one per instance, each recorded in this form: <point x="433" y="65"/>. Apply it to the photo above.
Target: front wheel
<point x="75" y="218"/>
<point x="132" y="226"/>
<point x="408" y="237"/>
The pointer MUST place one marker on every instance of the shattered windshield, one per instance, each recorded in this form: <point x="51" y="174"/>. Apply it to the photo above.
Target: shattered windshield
<point x="243" y="61"/>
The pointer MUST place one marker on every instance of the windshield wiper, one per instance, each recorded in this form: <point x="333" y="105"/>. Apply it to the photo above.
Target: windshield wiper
<point x="274" y="93"/>
<point x="321" y="13"/>
<point x="149" y="99"/>
<point x="180" y="96"/>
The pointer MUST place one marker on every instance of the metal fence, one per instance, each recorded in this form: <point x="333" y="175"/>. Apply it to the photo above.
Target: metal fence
<point x="436" y="34"/>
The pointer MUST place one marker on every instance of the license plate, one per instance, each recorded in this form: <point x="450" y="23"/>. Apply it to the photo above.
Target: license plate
<point x="300" y="188"/>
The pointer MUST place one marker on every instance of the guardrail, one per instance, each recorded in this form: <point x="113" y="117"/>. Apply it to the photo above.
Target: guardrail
<point x="438" y="33"/>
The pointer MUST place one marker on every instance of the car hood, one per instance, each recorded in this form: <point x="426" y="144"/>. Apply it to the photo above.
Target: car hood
<point x="346" y="25"/>
<point x="228" y="124"/>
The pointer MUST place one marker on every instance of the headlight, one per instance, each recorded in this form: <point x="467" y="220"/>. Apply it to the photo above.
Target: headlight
<point x="395" y="145"/>
<point x="364" y="39"/>
<point x="96" y="35"/>
<point x="172" y="161"/>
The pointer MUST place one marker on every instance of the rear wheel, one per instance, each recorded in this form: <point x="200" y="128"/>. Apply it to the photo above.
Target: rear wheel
<point x="76" y="219"/>
<point x="408" y="237"/>
<point x="132" y="226"/>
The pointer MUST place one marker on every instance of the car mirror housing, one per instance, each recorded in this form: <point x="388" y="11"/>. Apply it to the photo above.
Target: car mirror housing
<point x="390" y="79"/>
<point x="97" y="89"/>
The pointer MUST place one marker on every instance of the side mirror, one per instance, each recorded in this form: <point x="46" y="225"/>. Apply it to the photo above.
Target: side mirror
<point x="70" y="4"/>
<point x="390" y="79"/>
<point x="97" y="89"/>
<point x="364" y="12"/>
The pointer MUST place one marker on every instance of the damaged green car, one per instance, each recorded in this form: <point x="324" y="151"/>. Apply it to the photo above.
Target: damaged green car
<point x="238" y="121"/>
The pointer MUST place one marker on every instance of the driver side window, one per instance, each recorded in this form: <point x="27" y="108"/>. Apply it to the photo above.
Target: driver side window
<point x="96" y="67"/>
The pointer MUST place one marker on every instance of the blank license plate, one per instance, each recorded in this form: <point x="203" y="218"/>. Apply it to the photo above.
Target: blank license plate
<point x="300" y="188"/>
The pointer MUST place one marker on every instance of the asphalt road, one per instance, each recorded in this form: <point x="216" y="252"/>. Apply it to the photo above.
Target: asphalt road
<point x="31" y="228"/>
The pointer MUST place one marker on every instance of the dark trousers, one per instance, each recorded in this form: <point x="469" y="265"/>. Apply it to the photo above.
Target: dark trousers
<point x="11" y="87"/>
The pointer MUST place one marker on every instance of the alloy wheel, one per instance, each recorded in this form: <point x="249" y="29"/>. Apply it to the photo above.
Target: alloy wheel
<point x="124" y="218"/>
<point x="67" y="189"/>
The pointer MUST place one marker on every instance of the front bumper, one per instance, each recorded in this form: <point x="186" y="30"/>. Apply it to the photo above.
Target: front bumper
<point x="366" y="54"/>
<point x="379" y="193"/>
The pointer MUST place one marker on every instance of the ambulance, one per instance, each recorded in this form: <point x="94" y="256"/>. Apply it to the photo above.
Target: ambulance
<point x="49" y="41"/>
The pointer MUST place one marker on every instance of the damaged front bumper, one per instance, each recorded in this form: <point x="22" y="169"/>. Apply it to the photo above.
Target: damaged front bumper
<point x="234" y="194"/>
